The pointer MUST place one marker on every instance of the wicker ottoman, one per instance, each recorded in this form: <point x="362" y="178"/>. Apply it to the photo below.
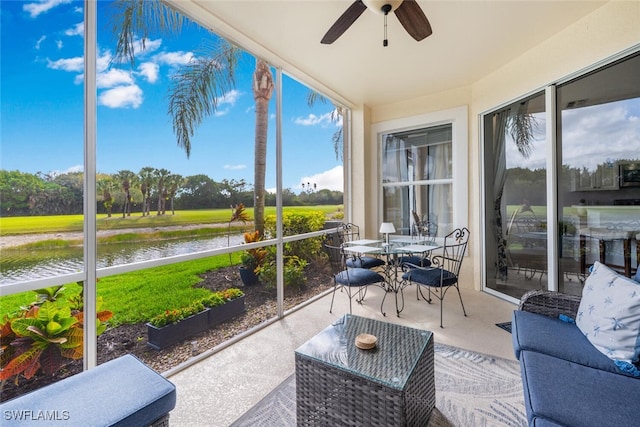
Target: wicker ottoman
<point x="340" y="384"/>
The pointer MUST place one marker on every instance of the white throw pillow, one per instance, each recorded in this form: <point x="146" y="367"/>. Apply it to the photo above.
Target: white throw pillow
<point x="609" y="313"/>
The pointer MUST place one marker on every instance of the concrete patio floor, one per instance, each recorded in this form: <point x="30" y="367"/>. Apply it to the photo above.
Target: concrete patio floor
<point x="217" y="390"/>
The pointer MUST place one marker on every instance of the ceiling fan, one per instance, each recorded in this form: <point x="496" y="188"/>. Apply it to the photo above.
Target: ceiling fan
<point x="408" y="12"/>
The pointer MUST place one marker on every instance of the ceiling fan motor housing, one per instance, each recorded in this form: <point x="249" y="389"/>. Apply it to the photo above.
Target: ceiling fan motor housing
<point x="382" y="7"/>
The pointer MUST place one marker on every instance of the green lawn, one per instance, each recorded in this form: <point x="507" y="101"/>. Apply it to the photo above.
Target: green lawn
<point x="74" y="223"/>
<point x="138" y="296"/>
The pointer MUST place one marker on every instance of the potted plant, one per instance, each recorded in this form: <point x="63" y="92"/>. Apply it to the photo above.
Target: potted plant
<point x="252" y="259"/>
<point x="173" y="326"/>
<point x="248" y="269"/>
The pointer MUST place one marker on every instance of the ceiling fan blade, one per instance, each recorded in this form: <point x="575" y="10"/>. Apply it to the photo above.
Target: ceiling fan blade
<point x="413" y="20"/>
<point x="344" y="22"/>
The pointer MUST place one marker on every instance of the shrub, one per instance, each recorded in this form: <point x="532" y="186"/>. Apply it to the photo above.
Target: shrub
<point x="298" y="223"/>
<point x="293" y="272"/>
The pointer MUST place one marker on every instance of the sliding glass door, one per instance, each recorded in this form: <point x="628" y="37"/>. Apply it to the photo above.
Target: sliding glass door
<point x="595" y="183"/>
<point x="598" y="150"/>
<point x="516" y="197"/>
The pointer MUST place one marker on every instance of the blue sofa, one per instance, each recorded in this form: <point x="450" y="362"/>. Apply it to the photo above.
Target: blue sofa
<point x="567" y="381"/>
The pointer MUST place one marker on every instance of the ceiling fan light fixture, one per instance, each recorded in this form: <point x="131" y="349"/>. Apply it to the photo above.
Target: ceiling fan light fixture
<point x="378" y="5"/>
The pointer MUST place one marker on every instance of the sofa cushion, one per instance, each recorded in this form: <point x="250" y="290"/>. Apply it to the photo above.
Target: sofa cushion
<point x="570" y="394"/>
<point x="535" y="332"/>
<point x="122" y="392"/>
<point x="609" y="313"/>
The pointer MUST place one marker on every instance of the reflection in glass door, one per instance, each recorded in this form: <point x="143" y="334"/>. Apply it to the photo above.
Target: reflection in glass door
<point x="516" y="197"/>
<point x="599" y="171"/>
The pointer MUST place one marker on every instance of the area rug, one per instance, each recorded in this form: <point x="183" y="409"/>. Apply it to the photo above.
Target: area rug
<point x="506" y="326"/>
<point x="472" y="390"/>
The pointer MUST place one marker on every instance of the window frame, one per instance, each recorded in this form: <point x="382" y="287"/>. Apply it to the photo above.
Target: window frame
<point x="458" y="119"/>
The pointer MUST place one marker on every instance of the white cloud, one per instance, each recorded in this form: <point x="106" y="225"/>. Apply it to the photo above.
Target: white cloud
<point x="113" y="77"/>
<point x="59" y="44"/>
<point x="67" y="64"/>
<point x="103" y="61"/>
<point x="149" y="71"/>
<point x="234" y="167"/>
<point x="228" y="98"/>
<point x="39" y="42"/>
<point x="42" y="6"/>
<point x="323" y="120"/>
<point x="173" y="58"/>
<point x="332" y="179"/>
<point x="121" y="97"/>
<point x="76" y="30"/>
<point x="149" y="46"/>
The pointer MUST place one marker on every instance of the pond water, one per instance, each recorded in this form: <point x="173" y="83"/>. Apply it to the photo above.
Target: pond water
<point x="21" y="265"/>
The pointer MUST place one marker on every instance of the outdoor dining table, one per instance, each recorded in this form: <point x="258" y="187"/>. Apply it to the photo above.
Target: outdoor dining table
<point x="393" y="253"/>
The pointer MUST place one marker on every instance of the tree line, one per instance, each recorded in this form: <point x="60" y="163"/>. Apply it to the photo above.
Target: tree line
<point x="149" y="191"/>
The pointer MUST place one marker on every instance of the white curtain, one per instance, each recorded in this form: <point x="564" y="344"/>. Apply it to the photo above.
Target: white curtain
<point x="500" y="177"/>
<point x="440" y="209"/>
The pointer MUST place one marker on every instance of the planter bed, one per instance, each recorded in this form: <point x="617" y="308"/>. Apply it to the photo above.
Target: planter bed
<point x="160" y="338"/>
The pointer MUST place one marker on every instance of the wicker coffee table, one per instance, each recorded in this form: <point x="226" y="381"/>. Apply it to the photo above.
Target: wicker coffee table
<point x="340" y="384"/>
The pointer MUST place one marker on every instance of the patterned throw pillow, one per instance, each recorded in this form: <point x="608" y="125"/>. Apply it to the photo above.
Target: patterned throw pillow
<point x="609" y="314"/>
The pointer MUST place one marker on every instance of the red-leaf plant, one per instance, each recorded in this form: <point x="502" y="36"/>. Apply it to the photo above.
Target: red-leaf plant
<point x="45" y="336"/>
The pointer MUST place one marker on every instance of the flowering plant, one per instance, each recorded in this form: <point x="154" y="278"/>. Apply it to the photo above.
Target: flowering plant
<point x="175" y="315"/>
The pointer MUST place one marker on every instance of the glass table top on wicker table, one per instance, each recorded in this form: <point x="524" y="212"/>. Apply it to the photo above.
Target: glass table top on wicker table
<point x="392" y="384"/>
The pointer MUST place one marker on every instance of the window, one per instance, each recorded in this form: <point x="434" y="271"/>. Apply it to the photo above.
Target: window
<point x="423" y="171"/>
<point x="417" y="179"/>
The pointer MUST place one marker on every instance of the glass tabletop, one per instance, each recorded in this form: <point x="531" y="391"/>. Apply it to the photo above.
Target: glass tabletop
<point x="391" y="362"/>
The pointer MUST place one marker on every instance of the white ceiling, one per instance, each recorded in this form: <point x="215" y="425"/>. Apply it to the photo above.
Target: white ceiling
<point x="470" y="40"/>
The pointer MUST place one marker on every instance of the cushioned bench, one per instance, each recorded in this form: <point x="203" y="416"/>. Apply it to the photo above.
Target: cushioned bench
<point x="121" y="392"/>
<point x="567" y="380"/>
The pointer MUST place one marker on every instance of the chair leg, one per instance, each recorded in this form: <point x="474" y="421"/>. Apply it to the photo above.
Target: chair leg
<point x="461" y="303"/>
<point x="335" y="286"/>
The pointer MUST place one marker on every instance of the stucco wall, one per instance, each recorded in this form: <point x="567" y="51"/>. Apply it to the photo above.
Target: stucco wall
<point x="608" y="31"/>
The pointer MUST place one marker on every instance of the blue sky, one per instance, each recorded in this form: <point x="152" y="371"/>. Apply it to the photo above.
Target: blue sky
<point x="42" y="106"/>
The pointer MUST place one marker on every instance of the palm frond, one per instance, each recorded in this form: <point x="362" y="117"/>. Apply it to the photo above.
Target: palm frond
<point x="198" y="86"/>
<point x="313" y="97"/>
<point x="522" y="127"/>
<point x="134" y="20"/>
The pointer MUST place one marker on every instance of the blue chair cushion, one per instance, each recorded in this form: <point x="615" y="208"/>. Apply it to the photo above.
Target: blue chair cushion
<point x="364" y="262"/>
<point x="431" y="277"/>
<point x="415" y="260"/>
<point x="358" y="277"/>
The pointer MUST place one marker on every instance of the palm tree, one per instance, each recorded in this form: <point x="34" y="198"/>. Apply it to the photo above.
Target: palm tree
<point x="200" y="84"/>
<point x="172" y="184"/>
<point x="126" y="178"/>
<point x="146" y="181"/>
<point x="106" y="186"/>
<point x="160" y="176"/>
<point x="262" y="91"/>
